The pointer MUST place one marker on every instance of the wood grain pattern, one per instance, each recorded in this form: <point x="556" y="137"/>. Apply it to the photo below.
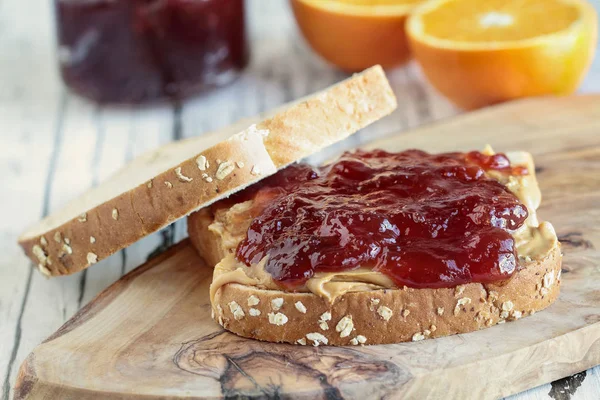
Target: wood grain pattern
<point x="34" y="107"/>
<point x="150" y="334"/>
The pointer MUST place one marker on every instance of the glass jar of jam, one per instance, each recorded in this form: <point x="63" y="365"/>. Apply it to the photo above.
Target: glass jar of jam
<point x="136" y="51"/>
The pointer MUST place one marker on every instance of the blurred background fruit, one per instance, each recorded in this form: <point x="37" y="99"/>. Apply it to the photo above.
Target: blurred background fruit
<point x="356" y="34"/>
<point x="479" y="53"/>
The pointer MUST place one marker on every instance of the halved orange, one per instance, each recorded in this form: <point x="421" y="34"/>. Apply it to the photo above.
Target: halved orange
<point x="478" y="52"/>
<point x="356" y="34"/>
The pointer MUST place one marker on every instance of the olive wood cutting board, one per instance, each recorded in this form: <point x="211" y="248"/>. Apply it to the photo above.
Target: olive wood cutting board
<point x="150" y="334"/>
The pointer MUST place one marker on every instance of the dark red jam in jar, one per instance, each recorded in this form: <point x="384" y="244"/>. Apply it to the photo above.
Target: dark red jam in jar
<point x="135" y="51"/>
<point x="424" y="220"/>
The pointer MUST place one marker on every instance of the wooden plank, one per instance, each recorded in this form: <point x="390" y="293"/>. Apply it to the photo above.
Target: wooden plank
<point x="113" y="132"/>
<point x="591" y="83"/>
<point x="93" y="143"/>
<point x="98" y="355"/>
<point x="123" y="134"/>
<point x="27" y="203"/>
<point x="30" y="114"/>
<point x="55" y="300"/>
<point x="591" y="386"/>
<point x="88" y="143"/>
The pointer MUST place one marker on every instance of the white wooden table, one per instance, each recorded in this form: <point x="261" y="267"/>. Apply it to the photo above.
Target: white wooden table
<point x="54" y="145"/>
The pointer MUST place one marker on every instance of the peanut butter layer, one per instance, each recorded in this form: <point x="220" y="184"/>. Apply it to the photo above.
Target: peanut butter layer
<point x="534" y="240"/>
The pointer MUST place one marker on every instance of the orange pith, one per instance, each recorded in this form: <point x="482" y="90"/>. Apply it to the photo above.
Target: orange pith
<point x="478" y="53"/>
<point x="356" y="34"/>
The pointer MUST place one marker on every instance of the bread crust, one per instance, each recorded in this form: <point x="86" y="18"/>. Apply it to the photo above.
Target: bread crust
<point x="390" y="315"/>
<point x="76" y="242"/>
<point x="203" y="240"/>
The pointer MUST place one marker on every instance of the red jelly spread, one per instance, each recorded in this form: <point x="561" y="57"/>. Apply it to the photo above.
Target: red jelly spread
<point x="424" y="220"/>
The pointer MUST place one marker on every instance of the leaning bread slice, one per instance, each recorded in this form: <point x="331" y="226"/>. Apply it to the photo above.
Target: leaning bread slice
<point x="178" y="179"/>
<point x="362" y="306"/>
